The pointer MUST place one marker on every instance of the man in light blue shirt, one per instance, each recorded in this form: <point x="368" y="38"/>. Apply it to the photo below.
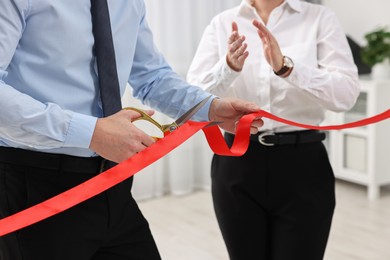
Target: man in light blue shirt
<point x="51" y="114"/>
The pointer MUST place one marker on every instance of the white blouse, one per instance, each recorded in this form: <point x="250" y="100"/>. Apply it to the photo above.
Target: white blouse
<point x="324" y="76"/>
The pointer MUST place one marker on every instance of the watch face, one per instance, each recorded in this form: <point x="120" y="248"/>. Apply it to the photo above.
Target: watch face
<point x="288" y="62"/>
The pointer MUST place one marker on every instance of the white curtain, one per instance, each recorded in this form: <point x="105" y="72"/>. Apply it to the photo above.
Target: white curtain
<point x="177" y="26"/>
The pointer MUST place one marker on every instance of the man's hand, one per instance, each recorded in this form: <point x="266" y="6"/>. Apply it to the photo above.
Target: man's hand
<point x="115" y="137"/>
<point x="237" y="53"/>
<point x="230" y="110"/>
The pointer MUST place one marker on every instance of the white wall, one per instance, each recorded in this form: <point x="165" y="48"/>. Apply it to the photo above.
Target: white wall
<point x="360" y="16"/>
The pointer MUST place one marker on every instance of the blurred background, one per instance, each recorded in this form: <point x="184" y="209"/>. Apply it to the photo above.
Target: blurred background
<point x="174" y="192"/>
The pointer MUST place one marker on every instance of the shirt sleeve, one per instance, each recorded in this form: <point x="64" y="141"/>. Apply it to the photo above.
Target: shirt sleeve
<point x="157" y="86"/>
<point x="334" y="83"/>
<point x="208" y="70"/>
<point x="25" y="121"/>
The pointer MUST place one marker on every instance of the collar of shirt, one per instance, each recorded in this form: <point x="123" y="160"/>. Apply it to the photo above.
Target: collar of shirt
<point x="246" y="7"/>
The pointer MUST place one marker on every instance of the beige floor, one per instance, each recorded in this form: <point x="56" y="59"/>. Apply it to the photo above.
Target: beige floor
<point x="185" y="227"/>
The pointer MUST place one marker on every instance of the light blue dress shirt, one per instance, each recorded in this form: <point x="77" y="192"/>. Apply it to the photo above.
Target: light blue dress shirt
<point x="49" y="91"/>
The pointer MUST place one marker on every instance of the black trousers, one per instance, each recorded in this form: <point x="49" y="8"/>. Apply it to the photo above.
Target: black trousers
<point x="274" y="203"/>
<point x="108" y="226"/>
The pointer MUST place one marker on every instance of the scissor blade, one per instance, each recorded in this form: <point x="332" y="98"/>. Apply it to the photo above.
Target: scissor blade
<point x="213" y="123"/>
<point x="187" y="115"/>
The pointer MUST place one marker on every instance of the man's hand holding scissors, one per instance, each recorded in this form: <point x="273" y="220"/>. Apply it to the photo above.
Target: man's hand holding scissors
<point x="116" y="138"/>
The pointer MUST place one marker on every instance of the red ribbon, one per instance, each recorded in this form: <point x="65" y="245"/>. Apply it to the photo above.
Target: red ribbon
<point x="241" y="141"/>
<point x="148" y="156"/>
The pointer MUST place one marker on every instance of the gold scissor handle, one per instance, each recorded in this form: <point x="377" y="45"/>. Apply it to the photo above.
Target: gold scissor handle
<point x="145" y="116"/>
<point x="163" y="128"/>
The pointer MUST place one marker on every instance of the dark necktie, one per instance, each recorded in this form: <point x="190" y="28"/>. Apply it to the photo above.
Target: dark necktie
<point x="106" y="64"/>
<point x="105" y="56"/>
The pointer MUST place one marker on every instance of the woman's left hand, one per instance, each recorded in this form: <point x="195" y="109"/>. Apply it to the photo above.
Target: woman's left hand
<point x="237" y="53"/>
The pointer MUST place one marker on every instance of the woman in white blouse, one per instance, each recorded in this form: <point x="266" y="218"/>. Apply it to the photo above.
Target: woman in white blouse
<point x="292" y="58"/>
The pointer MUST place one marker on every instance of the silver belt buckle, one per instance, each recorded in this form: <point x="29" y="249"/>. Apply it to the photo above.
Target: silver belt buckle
<point x="262" y="136"/>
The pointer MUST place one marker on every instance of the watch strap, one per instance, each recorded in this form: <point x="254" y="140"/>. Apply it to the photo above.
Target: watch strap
<point x="284" y="68"/>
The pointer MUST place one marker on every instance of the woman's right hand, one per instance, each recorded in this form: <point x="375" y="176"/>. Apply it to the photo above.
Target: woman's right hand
<point x="271" y="48"/>
<point x="237" y="52"/>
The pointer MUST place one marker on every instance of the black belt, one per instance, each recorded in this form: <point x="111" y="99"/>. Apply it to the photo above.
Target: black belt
<point x="288" y="138"/>
<point x="50" y="161"/>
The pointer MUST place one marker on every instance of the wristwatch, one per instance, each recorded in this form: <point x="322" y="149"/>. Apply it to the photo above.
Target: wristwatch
<point x="288" y="64"/>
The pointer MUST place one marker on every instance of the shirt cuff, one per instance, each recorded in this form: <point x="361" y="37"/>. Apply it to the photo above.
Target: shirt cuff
<point x="203" y="113"/>
<point x="227" y="74"/>
<point x="300" y="76"/>
<point x="80" y="131"/>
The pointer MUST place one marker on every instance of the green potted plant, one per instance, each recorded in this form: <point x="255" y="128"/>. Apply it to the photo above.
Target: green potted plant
<point x="377" y="52"/>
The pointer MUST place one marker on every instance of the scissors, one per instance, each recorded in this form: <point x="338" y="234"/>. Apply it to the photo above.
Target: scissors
<point x="168" y="128"/>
